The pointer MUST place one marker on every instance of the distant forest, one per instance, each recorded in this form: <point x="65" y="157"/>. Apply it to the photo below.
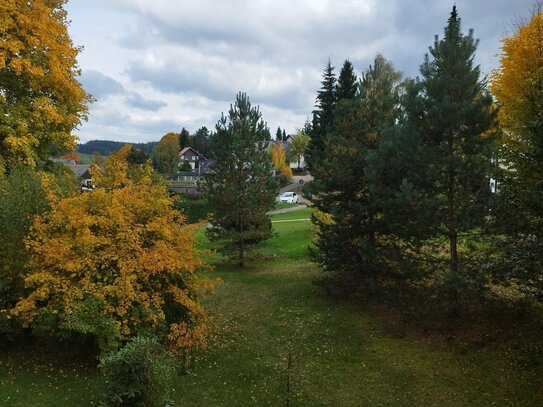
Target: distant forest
<point x="106" y="147"/>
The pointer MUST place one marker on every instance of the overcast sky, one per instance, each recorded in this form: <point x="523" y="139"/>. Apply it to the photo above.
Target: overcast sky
<point x="158" y="66"/>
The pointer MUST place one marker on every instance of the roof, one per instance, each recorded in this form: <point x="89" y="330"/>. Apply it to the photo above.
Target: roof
<point x="78" y="169"/>
<point x="187" y="149"/>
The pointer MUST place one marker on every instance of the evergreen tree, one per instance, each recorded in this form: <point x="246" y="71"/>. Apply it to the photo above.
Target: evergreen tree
<point x="184" y="139"/>
<point x="241" y="188"/>
<point x="284" y="135"/>
<point x="200" y="140"/>
<point x="347" y="82"/>
<point x="278" y="134"/>
<point x="349" y="238"/>
<point x="323" y="118"/>
<point x="433" y="176"/>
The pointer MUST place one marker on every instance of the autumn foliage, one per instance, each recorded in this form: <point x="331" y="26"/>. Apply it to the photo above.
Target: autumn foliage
<point x="41" y="100"/>
<point x="278" y="156"/>
<point x="115" y="263"/>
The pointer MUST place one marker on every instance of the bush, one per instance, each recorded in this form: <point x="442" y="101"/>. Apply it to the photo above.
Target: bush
<point x="138" y="374"/>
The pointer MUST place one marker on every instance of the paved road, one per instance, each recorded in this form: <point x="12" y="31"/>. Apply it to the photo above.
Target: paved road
<point x="285" y="210"/>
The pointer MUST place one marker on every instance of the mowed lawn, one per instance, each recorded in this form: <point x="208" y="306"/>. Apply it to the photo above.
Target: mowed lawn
<point x="277" y="336"/>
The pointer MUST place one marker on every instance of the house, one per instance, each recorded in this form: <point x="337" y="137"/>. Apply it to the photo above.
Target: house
<point x="190" y="159"/>
<point x="82" y="172"/>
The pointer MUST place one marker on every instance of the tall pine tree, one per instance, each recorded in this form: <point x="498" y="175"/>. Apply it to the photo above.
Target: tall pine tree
<point x="433" y="177"/>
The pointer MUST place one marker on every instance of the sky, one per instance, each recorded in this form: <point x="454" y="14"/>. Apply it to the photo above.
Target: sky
<point x="158" y="66"/>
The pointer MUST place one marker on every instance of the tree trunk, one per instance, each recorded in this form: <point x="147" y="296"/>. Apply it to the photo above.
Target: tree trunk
<point x="453" y="236"/>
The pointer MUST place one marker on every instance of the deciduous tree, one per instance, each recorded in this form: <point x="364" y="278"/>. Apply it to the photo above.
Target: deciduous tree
<point x="41" y="100"/>
<point x="166" y="153"/>
<point x="114" y="263"/>
<point x="298" y="145"/>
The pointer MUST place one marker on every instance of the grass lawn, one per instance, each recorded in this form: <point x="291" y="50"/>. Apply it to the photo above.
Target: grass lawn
<point x="272" y="324"/>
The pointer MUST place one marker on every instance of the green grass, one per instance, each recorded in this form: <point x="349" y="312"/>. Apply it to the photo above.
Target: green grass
<point x="342" y="352"/>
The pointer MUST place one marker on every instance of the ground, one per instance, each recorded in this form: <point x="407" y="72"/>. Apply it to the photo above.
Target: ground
<point x="273" y="324"/>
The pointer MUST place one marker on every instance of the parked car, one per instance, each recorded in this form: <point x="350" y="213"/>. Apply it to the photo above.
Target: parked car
<point x="289" y="197"/>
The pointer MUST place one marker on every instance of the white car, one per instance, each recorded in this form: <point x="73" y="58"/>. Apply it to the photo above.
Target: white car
<point x="289" y="197"/>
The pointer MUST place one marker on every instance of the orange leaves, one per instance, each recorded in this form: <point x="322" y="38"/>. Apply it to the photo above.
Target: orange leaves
<point x="122" y="249"/>
<point x="39" y="73"/>
<point x="518" y="82"/>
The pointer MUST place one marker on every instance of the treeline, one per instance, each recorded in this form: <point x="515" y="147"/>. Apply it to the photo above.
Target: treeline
<point x="433" y="185"/>
<point x="106" y="147"/>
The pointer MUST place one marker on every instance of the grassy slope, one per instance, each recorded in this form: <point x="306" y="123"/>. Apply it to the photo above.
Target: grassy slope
<point x="342" y="353"/>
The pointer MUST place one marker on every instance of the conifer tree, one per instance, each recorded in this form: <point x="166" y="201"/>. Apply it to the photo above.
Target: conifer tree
<point x="349" y="238"/>
<point x="323" y="118"/>
<point x="433" y="175"/>
<point x="241" y="188"/>
<point x="184" y="139"/>
<point x="278" y="134"/>
<point x="347" y="82"/>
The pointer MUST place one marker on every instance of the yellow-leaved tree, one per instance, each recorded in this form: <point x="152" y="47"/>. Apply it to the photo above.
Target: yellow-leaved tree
<point x="41" y="101"/>
<point x="115" y="263"/>
<point x="278" y="156"/>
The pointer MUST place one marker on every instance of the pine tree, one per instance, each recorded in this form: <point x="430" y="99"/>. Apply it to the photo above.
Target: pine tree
<point x="433" y="177"/>
<point x="347" y="82"/>
<point x="241" y="188"/>
<point x="323" y="118"/>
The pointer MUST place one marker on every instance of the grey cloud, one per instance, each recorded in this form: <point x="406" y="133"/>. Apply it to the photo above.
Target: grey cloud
<point x="136" y="100"/>
<point x="99" y="85"/>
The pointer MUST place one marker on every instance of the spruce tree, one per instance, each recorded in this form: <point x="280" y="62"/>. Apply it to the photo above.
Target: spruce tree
<point x="184" y="138"/>
<point x="241" y="188"/>
<point x="347" y="82"/>
<point x="323" y="118"/>
<point x="278" y="134"/>
<point x="433" y="175"/>
<point x="349" y="235"/>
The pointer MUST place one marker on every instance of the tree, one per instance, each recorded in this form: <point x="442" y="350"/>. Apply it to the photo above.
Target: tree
<point x="184" y="139"/>
<point x="241" y="188"/>
<point x="137" y="156"/>
<point x="166" y="153"/>
<point x="279" y="160"/>
<point x="518" y="87"/>
<point x="298" y="145"/>
<point x="350" y="237"/>
<point x="200" y="140"/>
<point x="41" y="101"/>
<point x="115" y="263"/>
<point x="432" y="176"/>
<point x="278" y="134"/>
<point x="347" y="85"/>
<point x="323" y="118"/>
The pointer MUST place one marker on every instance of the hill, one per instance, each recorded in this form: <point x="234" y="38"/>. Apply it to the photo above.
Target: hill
<point x="106" y="147"/>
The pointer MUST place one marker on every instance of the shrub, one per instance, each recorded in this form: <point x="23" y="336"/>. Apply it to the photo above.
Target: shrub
<point x="138" y="374"/>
